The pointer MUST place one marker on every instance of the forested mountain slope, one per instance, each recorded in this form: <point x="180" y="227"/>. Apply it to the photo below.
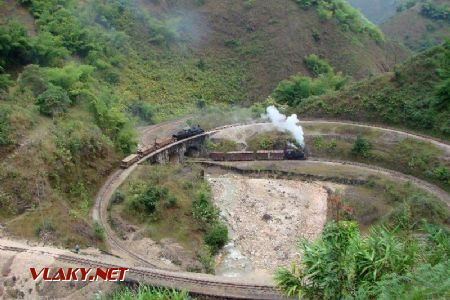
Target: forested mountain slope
<point x="420" y="24"/>
<point x="415" y="96"/>
<point x="77" y="76"/>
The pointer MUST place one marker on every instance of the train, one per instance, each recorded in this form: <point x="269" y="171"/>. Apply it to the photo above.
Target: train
<point x="287" y="154"/>
<point x="188" y="132"/>
<point x="160" y="143"/>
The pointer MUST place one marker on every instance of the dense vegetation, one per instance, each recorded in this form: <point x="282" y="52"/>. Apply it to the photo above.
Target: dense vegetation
<point x="294" y="90"/>
<point x="148" y="293"/>
<point x="419" y="24"/>
<point x="73" y="85"/>
<point x="415" y="96"/>
<point x="436" y="11"/>
<point x="389" y="263"/>
<point x="348" y="17"/>
<point x="172" y="202"/>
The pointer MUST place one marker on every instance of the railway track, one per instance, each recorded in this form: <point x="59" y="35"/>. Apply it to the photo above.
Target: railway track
<point x="202" y="284"/>
<point x="164" y="275"/>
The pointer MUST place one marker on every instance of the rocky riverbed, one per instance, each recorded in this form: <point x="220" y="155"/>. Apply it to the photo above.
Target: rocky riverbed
<point x="266" y="218"/>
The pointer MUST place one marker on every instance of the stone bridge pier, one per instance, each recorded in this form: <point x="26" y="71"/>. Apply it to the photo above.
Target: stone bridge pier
<point x="176" y="152"/>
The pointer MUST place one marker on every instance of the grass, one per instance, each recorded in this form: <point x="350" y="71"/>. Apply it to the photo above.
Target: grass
<point x="406" y="98"/>
<point x="383" y="201"/>
<point x="150" y="293"/>
<point x="273" y="140"/>
<point x="176" y="222"/>
<point x="408" y="156"/>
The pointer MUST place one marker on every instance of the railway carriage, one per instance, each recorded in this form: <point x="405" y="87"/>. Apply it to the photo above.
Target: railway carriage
<point x="129" y="160"/>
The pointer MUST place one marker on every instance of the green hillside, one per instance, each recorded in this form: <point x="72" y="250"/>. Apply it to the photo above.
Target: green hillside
<point x="76" y="77"/>
<point x="414" y="96"/>
<point x="419" y="24"/>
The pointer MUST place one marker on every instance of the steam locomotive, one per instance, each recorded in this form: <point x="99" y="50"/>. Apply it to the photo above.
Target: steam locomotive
<point x="188" y="132"/>
<point x="160" y="143"/>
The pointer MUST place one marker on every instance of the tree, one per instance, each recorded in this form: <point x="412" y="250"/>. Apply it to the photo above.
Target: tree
<point x="217" y="236"/>
<point x="14" y="44"/>
<point x="33" y="78"/>
<point x="361" y="147"/>
<point x="52" y="101"/>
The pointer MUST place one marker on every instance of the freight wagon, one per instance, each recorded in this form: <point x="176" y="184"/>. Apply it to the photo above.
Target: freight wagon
<point x="145" y="150"/>
<point x="269" y="155"/>
<point x="129" y="160"/>
<point x="289" y="154"/>
<point x="239" y="156"/>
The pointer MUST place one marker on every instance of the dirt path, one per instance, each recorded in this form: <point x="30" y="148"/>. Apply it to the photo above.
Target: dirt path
<point x="444" y="145"/>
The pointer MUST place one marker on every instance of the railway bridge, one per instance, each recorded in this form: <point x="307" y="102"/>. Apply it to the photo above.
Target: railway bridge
<point x="176" y="152"/>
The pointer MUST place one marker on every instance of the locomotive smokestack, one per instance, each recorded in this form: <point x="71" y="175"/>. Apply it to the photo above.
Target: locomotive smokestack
<point x="283" y="123"/>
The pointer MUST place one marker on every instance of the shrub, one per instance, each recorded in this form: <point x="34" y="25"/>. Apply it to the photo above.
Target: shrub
<point x="54" y="100"/>
<point x="99" y="233"/>
<point x="171" y="202"/>
<point x="45" y="226"/>
<point x="297" y="88"/>
<point x="5" y="130"/>
<point x="361" y="147"/>
<point x="118" y="197"/>
<point x="14" y="44"/>
<point x="144" y="111"/>
<point x="69" y="75"/>
<point x="33" y="78"/>
<point x="316" y="65"/>
<point x="147" y="201"/>
<point x="5" y="81"/>
<point x="217" y="236"/>
<point x="348" y="17"/>
<point x="203" y="210"/>
<point x="150" y="293"/>
<point x="48" y="49"/>
<point x="341" y="262"/>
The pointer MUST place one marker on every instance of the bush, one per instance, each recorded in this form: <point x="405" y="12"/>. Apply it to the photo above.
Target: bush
<point x="54" y="100"/>
<point x="147" y="202"/>
<point x="45" y="226"/>
<point x="5" y="81"/>
<point x="99" y="233"/>
<point x="171" y="202"/>
<point x="316" y="65"/>
<point x="48" y="49"/>
<point x="348" y="17"/>
<point x="297" y="88"/>
<point x="341" y="263"/>
<point x="14" y="45"/>
<point x="118" y="197"/>
<point x="5" y="131"/>
<point x="361" y="147"/>
<point x="149" y="293"/>
<point x="217" y="236"/>
<point x="33" y="78"/>
<point x="203" y="210"/>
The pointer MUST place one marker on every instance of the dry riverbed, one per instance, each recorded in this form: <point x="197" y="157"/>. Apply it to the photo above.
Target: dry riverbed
<point x="266" y="218"/>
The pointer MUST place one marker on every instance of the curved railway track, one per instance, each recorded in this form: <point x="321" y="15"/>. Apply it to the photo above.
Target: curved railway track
<point x="203" y="284"/>
<point x="164" y="275"/>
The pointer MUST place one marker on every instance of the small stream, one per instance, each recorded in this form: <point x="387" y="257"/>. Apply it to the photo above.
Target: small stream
<point x="231" y="262"/>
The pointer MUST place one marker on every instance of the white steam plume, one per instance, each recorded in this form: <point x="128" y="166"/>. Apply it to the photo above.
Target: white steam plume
<point x="283" y="123"/>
